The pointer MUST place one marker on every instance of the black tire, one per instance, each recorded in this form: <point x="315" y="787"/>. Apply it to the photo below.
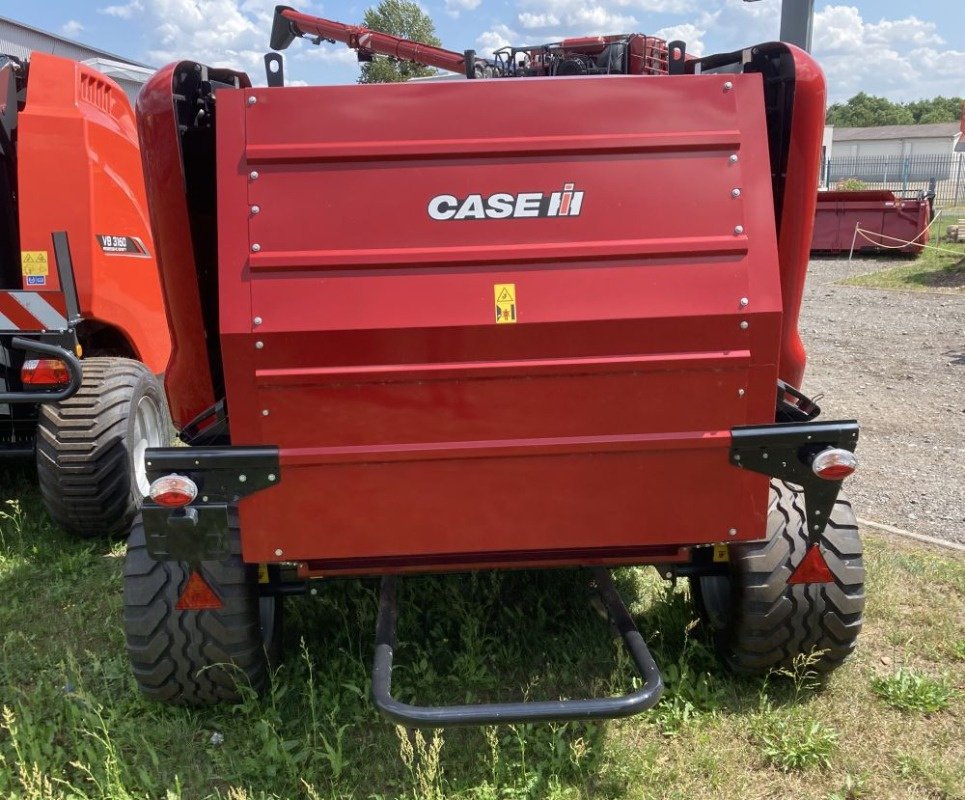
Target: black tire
<point x="90" y="447"/>
<point x="198" y="657"/>
<point x="758" y="621"/>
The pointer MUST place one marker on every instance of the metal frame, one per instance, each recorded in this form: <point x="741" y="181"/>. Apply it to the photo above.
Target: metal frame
<point x="522" y="712"/>
<point x="786" y="451"/>
<point x="223" y="475"/>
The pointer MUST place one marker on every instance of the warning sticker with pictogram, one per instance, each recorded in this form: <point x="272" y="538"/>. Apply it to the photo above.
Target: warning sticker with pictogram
<point x="505" y="294"/>
<point x="34" y="262"/>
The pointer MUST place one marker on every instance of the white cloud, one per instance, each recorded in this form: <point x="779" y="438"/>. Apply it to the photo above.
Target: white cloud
<point x="71" y="28"/>
<point x="554" y="18"/>
<point x="496" y="37"/>
<point x="455" y="7"/>
<point x="691" y="34"/>
<point x="901" y="59"/>
<point x="232" y="33"/>
<point x="126" y="11"/>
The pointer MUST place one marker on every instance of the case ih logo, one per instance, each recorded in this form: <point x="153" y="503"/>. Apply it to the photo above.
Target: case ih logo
<point x="502" y="205"/>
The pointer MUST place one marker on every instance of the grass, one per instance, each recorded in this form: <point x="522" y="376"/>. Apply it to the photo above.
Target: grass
<point x="909" y="691"/>
<point x="74" y="726"/>
<point x="933" y="270"/>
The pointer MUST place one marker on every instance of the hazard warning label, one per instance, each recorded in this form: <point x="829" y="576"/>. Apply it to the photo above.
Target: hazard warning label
<point x="505" y="294"/>
<point x="34" y="262"/>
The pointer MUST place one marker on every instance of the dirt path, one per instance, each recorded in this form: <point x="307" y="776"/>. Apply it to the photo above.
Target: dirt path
<point x="896" y="361"/>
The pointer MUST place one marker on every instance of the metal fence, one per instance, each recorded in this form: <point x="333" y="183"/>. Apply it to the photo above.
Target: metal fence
<point x="907" y="174"/>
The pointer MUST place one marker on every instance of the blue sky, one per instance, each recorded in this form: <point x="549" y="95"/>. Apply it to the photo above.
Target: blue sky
<point x="897" y="49"/>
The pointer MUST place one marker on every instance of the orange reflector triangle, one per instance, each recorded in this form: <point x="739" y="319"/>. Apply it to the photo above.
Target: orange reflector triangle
<point x="813" y="568"/>
<point x="198" y="595"/>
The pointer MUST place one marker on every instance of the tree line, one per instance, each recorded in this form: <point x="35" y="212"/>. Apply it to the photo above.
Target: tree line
<point x="865" y="111"/>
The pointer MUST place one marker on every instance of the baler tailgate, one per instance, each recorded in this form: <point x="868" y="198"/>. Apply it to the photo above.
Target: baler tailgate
<point x="629" y="225"/>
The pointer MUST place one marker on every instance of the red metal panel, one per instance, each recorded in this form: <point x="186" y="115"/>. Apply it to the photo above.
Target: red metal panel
<point x="413" y="426"/>
<point x="79" y="171"/>
<point x="187" y="379"/>
<point x="797" y="214"/>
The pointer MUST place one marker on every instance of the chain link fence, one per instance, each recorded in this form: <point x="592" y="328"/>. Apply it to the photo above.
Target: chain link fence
<point x="905" y="174"/>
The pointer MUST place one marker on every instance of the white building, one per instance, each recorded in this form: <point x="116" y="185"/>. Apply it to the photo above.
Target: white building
<point x="935" y="139"/>
<point x="20" y="40"/>
<point x="894" y="154"/>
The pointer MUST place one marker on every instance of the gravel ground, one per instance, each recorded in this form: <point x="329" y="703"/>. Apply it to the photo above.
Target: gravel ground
<point x="895" y="361"/>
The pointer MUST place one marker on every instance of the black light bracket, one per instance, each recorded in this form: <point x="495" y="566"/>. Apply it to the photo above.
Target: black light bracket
<point x="786" y="450"/>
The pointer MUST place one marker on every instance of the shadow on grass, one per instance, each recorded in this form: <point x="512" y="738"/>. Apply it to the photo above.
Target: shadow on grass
<point x="472" y="637"/>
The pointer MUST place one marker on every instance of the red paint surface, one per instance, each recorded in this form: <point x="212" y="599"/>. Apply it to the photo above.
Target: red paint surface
<point x="79" y="170"/>
<point x="797" y="214"/>
<point x="412" y="428"/>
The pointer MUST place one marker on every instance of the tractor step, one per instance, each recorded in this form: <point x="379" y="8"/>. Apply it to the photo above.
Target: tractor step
<point x="413" y="716"/>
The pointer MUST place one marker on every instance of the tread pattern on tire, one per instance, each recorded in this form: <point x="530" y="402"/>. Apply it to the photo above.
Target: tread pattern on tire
<point x="192" y="657"/>
<point x="771" y="622"/>
<point x="83" y="463"/>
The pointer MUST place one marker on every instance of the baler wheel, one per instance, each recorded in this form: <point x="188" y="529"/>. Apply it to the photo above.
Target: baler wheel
<point x="759" y="621"/>
<point x="198" y="658"/>
<point x="90" y="447"/>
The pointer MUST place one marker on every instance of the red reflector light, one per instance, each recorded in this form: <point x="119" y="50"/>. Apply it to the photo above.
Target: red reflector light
<point x="198" y="595"/>
<point x="834" y="464"/>
<point x="44" y="372"/>
<point x="173" y="491"/>
<point x="812" y="569"/>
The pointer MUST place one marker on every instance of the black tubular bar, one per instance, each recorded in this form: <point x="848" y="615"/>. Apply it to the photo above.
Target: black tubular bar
<point x="521" y="712"/>
<point x="54" y="351"/>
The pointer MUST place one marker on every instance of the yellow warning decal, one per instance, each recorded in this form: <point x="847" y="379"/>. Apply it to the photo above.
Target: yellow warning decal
<point x="721" y="553"/>
<point x="505" y="294"/>
<point x="262" y="573"/>
<point x="34" y="262"/>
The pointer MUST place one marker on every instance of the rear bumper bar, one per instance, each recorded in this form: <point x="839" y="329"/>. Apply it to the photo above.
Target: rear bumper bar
<point x="644" y="698"/>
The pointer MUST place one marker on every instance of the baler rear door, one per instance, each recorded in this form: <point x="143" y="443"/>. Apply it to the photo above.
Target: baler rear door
<point x="498" y="321"/>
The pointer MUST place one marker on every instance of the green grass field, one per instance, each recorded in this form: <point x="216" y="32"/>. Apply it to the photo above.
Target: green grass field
<point x="887" y="725"/>
<point x="933" y="270"/>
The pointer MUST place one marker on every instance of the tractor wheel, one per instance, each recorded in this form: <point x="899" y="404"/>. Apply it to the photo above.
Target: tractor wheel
<point x="759" y="621"/>
<point x="198" y="657"/>
<point x="90" y="447"/>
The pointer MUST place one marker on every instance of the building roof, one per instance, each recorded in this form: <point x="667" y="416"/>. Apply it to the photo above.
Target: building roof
<point x="932" y="130"/>
<point x="19" y="39"/>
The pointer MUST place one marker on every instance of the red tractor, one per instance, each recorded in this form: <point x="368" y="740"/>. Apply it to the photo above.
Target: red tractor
<point x="83" y="335"/>
<point x="449" y="326"/>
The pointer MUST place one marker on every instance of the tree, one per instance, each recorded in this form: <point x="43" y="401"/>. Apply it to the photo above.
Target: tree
<point x="400" y="18"/>
<point x="938" y="109"/>
<point x="863" y="111"/>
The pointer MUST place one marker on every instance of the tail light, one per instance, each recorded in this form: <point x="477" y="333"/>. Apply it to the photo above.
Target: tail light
<point x="44" y="372"/>
<point x="834" y="464"/>
<point x="173" y="491"/>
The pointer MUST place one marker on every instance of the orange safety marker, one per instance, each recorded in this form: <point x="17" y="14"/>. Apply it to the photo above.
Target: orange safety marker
<point x="198" y="595"/>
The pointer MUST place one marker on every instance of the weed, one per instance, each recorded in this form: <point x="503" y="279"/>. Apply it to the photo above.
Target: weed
<point x="910" y="691"/>
<point x="793" y="741"/>
<point x="854" y="788"/>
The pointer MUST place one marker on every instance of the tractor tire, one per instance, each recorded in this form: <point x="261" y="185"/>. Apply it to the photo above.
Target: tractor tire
<point x="758" y="621"/>
<point x="90" y="447"/>
<point x="198" y="658"/>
